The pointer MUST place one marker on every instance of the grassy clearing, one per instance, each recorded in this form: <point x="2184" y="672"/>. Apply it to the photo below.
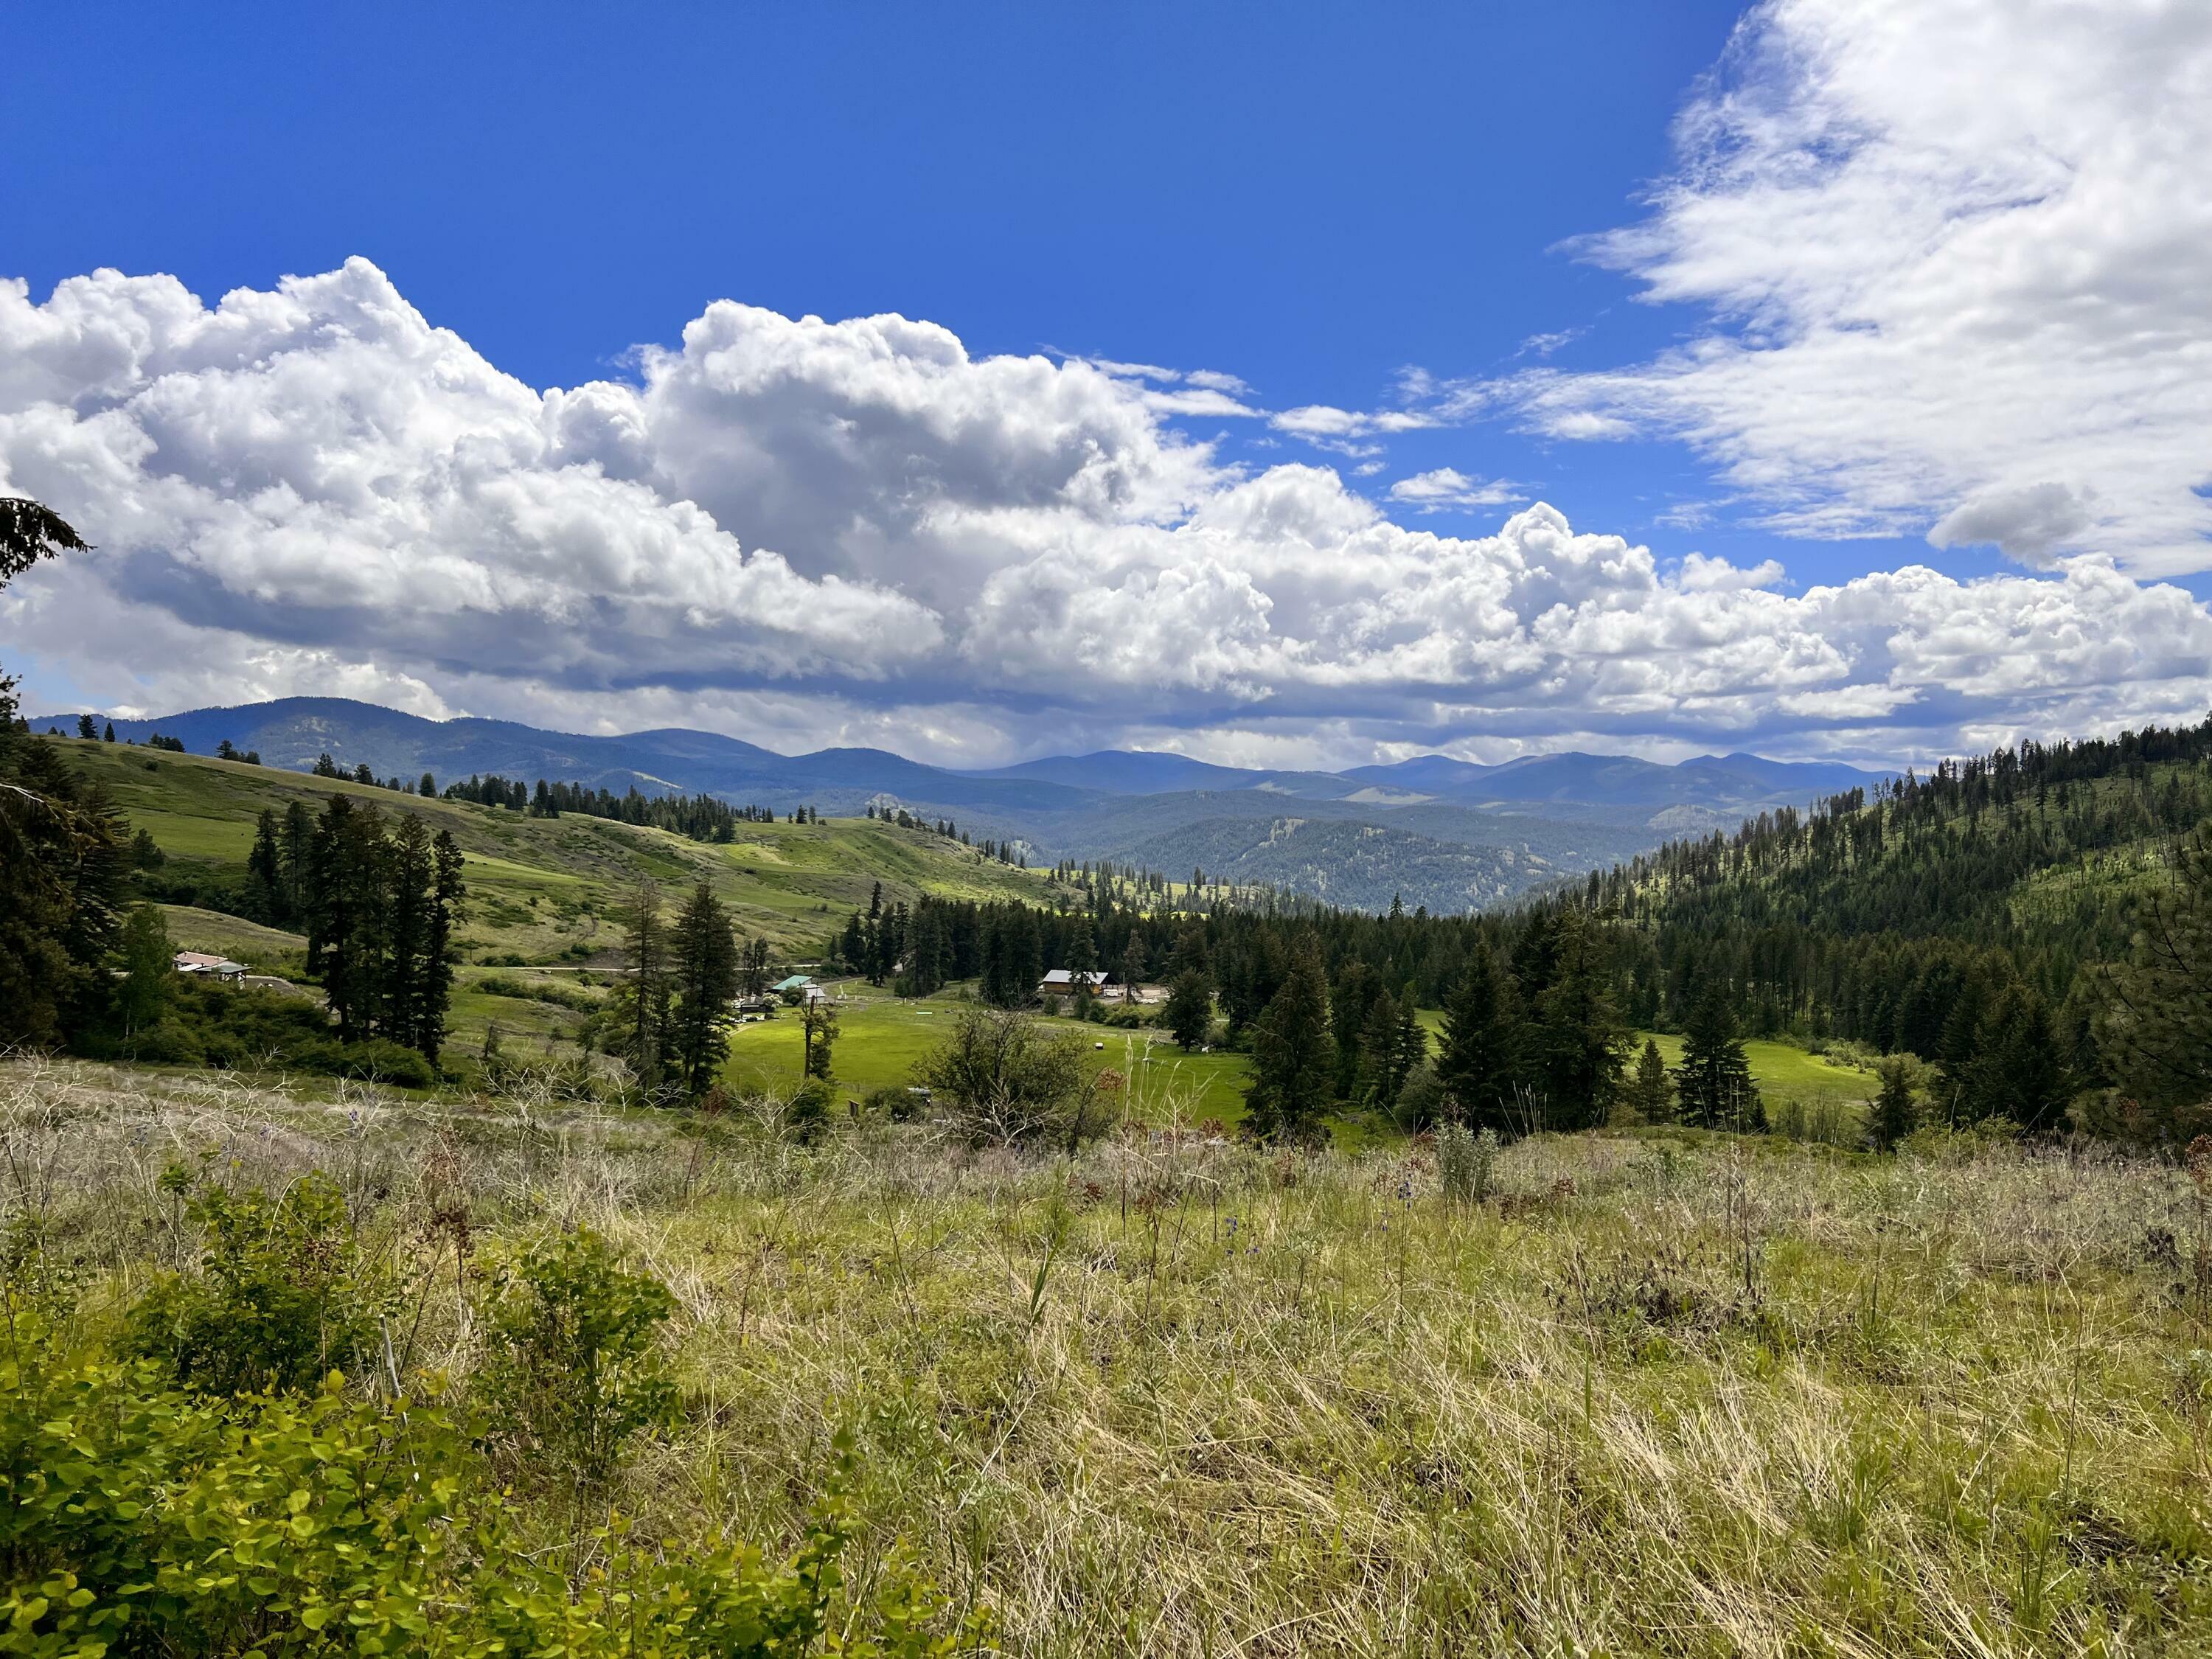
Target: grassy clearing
<point x="1656" y="1394"/>
<point x="1783" y="1071"/>
<point x="882" y="1038"/>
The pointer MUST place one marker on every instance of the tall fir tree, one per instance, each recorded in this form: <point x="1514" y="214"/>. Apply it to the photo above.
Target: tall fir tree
<point x="1293" y="1054"/>
<point x="703" y="972"/>
<point x="1480" y="1061"/>
<point x="1581" y="1044"/>
<point x="1895" y="1113"/>
<point x="265" y="874"/>
<point x="1189" y="1014"/>
<point x="642" y="998"/>
<point x="1649" y="1095"/>
<point x="1713" y="1079"/>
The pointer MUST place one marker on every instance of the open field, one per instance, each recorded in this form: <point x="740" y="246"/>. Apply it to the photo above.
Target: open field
<point x="882" y="1037"/>
<point x="1660" y="1392"/>
<point x="1782" y="1070"/>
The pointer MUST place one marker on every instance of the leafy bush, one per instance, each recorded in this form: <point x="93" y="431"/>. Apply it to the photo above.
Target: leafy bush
<point x="806" y="1119"/>
<point x="243" y="1028"/>
<point x="141" y="1519"/>
<point x="1464" y="1163"/>
<point x="575" y="1366"/>
<point x="281" y="1299"/>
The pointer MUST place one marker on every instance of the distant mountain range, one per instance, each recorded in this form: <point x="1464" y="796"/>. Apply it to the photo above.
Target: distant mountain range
<point x="1448" y="834"/>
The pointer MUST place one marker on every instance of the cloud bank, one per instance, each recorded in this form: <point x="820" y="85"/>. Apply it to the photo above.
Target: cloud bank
<point x="806" y="532"/>
<point x="1954" y="257"/>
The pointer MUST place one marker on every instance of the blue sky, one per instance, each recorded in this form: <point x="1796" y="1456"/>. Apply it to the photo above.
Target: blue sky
<point x="1384" y="212"/>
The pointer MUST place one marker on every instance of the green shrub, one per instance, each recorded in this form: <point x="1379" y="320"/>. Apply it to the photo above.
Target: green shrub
<point x="281" y="1300"/>
<point x="550" y="991"/>
<point x="144" y="1520"/>
<point x="1464" y="1163"/>
<point x="575" y="1367"/>
<point x="807" y="1120"/>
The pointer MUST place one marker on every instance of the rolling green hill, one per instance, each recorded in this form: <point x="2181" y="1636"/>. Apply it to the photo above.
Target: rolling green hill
<point x="543" y="890"/>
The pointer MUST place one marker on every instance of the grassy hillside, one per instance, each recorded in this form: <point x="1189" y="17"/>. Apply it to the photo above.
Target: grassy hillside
<point x="544" y="891"/>
<point x="1662" y="1393"/>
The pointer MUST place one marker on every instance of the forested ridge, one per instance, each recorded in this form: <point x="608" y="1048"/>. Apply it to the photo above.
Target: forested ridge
<point x="1858" y="919"/>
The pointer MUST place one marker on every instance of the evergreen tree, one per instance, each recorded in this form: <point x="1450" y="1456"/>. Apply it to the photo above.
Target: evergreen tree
<point x="1713" y="1079"/>
<point x="2018" y="1071"/>
<point x="296" y="860"/>
<point x="703" y="967"/>
<point x="434" y="999"/>
<point x="1961" y="1043"/>
<point x="265" y="874"/>
<point x="1651" y="1093"/>
<point x="817" y="1026"/>
<point x="642" y="998"/>
<point x="1376" y="1053"/>
<point x="1293" y="1054"/>
<point x="1413" y="1053"/>
<point x="87" y="726"/>
<point x="149" y="960"/>
<point x="2154" y="1030"/>
<point x="1894" y="1114"/>
<point x="1188" y="1013"/>
<point x="345" y="914"/>
<point x="379" y="910"/>
<point x="1580" y="1042"/>
<point x="108" y="734"/>
<point x="1479" y="1063"/>
<point x="427" y="787"/>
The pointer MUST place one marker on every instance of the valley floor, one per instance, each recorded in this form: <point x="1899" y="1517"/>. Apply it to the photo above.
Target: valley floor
<point x="1648" y="1393"/>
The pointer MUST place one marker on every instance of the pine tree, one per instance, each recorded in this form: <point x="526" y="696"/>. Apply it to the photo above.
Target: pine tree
<point x="108" y="734"/>
<point x="1189" y="1011"/>
<point x="1479" y="1063"/>
<point x="703" y="968"/>
<point x="87" y="726"/>
<point x="641" y="1000"/>
<point x="2155" y="1032"/>
<point x="2018" y="1071"/>
<point x="148" y="961"/>
<point x="817" y="1026"/>
<point x="434" y="997"/>
<point x="1378" y="1074"/>
<point x="297" y="860"/>
<point x="1894" y="1114"/>
<point x="1713" y="1079"/>
<point x="1579" y="1039"/>
<point x="265" y="874"/>
<point x="1293" y="1055"/>
<point x="1412" y="1043"/>
<point x="1650" y="1094"/>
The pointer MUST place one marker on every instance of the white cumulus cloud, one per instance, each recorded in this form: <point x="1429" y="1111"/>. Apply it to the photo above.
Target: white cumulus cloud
<point x="1447" y="487"/>
<point x="807" y="533"/>
<point x="1954" y="257"/>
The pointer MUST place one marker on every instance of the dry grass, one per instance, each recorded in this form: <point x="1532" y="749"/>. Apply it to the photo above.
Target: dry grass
<point x="1662" y="1394"/>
